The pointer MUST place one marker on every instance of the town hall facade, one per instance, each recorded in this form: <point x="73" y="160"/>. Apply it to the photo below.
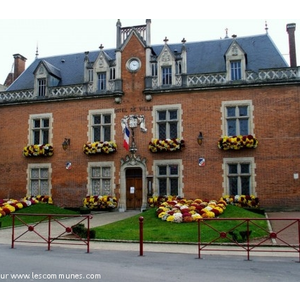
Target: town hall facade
<point x="192" y="119"/>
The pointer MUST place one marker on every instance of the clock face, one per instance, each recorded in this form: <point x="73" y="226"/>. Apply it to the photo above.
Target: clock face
<point x="134" y="64"/>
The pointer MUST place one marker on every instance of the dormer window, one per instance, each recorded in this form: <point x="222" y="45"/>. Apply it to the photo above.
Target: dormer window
<point x="166" y="75"/>
<point x="42" y="86"/>
<point x="235" y="62"/>
<point x="102" y="81"/>
<point x="236" y="70"/>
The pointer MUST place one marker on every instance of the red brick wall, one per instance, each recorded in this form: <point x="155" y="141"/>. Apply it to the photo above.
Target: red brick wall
<point x="276" y="119"/>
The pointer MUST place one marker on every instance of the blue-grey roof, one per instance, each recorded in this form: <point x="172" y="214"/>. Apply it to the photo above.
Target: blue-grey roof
<point x="202" y="57"/>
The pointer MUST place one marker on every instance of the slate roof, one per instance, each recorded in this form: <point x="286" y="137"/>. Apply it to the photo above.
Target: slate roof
<point x="202" y="57"/>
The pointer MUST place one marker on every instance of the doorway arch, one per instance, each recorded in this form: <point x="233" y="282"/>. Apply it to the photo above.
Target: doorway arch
<point x="133" y="185"/>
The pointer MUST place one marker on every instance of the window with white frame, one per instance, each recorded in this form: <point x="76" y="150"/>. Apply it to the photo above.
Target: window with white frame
<point x="101" y="125"/>
<point x="40" y="129"/>
<point x="42" y="85"/>
<point x="167" y="121"/>
<point x="239" y="176"/>
<point x="236" y="70"/>
<point x="102" y="81"/>
<point x="237" y="117"/>
<point x="154" y="69"/>
<point x="39" y="179"/>
<point x="168" y="178"/>
<point x="100" y="178"/>
<point x="166" y="75"/>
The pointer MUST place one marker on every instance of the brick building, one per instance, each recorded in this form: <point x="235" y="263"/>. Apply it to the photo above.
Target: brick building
<point x="175" y="105"/>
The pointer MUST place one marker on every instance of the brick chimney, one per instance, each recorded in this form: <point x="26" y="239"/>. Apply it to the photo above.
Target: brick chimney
<point x="291" y="28"/>
<point x="18" y="68"/>
<point x="19" y="65"/>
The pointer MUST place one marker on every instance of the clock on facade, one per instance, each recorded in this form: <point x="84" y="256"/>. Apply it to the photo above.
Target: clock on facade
<point x="133" y="64"/>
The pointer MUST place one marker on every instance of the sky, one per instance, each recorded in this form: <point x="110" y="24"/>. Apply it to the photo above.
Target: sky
<point x="54" y="32"/>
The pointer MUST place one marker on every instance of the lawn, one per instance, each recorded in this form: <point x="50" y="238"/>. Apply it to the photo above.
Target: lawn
<point x="154" y="229"/>
<point x="39" y="208"/>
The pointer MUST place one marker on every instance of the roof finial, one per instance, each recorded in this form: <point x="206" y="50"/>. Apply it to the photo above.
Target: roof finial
<point x="37" y="51"/>
<point x="226" y="31"/>
<point x="166" y="40"/>
<point x="266" y="27"/>
<point x="101" y="47"/>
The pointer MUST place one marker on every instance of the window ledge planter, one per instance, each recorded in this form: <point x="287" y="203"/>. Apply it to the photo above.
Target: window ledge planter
<point x="38" y="150"/>
<point x="106" y="147"/>
<point x="237" y="142"/>
<point x="105" y="202"/>
<point x="166" y="145"/>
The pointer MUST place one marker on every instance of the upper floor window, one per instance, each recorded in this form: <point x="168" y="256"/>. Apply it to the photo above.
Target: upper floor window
<point x="42" y="87"/>
<point x="167" y="123"/>
<point x="236" y="70"/>
<point x="40" y="127"/>
<point x="90" y="75"/>
<point x="166" y="75"/>
<point x="101" y="127"/>
<point x="112" y="73"/>
<point x="237" y="118"/>
<point x="178" y="67"/>
<point x="154" y="69"/>
<point x="102" y="81"/>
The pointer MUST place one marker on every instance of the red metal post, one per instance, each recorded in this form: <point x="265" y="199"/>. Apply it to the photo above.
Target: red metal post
<point x="88" y="234"/>
<point x="13" y="231"/>
<point x="49" y="232"/>
<point x="199" y="239"/>
<point x="141" y="219"/>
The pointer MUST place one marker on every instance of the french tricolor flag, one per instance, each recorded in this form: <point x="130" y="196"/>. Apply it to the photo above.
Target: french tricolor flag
<point x="126" y="137"/>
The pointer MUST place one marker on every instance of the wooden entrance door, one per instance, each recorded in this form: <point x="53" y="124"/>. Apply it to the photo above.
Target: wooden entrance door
<point x="134" y="188"/>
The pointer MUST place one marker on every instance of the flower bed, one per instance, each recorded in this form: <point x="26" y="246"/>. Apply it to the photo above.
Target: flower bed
<point x="8" y="206"/>
<point x="166" y="145"/>
<point x="245" y="201"/>
<point x="38" y="150"/>
<point x="237" y="142"/>
<point x="107" y="147"/>
<point x="100" y="202"/>
<point x="179" y="210"/>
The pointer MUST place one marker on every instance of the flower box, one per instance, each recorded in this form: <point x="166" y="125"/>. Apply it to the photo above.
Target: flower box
<point x="237" y="142"/>
<point x="38" y="150"/>
<point x="96" y="202"/>
<point x="166" y="145"/>
<point x="106" y="147"/>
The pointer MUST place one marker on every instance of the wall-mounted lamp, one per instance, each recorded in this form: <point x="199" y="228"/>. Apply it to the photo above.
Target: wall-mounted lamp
<point x="200" y="139"/>
<point x="66" y="144"/>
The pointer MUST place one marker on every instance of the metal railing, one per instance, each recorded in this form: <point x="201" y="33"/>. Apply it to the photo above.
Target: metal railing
<point x="283" y="236"/>
<point x="50" y="229"/>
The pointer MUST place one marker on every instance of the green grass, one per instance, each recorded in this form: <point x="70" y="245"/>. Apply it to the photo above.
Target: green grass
<point x="155" y="229"/>
<point x="39" y="208"/>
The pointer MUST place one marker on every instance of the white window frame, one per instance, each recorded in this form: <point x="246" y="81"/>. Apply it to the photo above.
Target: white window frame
<point x="235" y="103"/>
<point x="157" y="108"/>
<point x="31" y="123"/>
<point x="90" y="135"/>
<point x="239" y="160"/>
<point x="156" y="164"/>
<point x="39" y="166"/>
<point x="100" y="165"/>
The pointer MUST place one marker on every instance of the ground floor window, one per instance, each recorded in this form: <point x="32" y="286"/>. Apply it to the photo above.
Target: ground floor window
<point x="168" y="178"/>
<point x="239" y="176"/>
<point x="39" y="179"/>
<point x="100" y="178"/>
